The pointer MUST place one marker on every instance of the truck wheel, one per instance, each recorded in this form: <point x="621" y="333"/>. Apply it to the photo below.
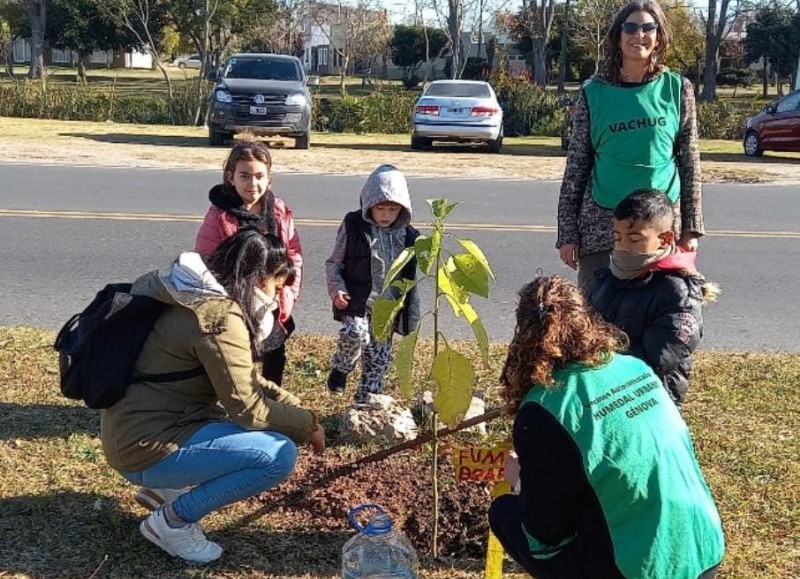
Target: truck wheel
<point x="217" y="138"/>
<point x="303" y="141"/>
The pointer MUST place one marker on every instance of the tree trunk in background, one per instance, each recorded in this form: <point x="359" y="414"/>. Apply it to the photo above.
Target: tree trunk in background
<point x="715" y="30"/>
<point x="37" y="13"/>
<point x="454" y="31"/>
<point x="539" y="61"/>
<point x="562" y="57"/>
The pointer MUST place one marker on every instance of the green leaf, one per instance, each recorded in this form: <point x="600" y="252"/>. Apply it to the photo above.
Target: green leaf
<point x="469" y="274"/>
<point x="397" y="265"/>
<point x="404" y="363"/>
<point x="383" y="314"/>
<point x="446" y="285"/>
<point x="425" y="257"/>
<point x="441" y="207"/>
<point x="475" y="251"/>
<point x="455" y="379"/>
<point x="478" y="330"/>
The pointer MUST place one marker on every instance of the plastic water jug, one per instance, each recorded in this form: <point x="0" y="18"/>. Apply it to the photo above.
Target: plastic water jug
<point x="378" y="551"/>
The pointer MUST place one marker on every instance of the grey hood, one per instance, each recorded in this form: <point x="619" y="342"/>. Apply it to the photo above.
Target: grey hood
<point x="386" y="183"/>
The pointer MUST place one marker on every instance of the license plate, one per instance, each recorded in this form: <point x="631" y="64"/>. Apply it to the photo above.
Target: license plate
<point x="456" y="111"/>
<point x="258" y="110"/>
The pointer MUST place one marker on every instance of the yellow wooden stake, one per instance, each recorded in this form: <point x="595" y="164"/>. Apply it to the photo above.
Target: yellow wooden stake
<point x="494" y="550"/>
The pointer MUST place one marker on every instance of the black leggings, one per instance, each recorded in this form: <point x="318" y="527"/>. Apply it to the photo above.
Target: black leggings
<point x="505" y="520"/>
<point x="273" y="363"/>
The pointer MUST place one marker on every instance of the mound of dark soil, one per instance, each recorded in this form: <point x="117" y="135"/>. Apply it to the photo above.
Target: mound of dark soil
<point x="323" y="489"/>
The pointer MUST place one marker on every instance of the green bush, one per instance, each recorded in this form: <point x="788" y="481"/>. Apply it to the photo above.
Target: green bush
<point x="527" y="109"/>
<point x="722" y="119"/>
<point x="383" y="111"/>
<point x="36" y="99"/>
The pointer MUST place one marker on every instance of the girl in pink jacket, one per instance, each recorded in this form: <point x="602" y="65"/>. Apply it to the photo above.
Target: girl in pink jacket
<point x="245" y="199"/>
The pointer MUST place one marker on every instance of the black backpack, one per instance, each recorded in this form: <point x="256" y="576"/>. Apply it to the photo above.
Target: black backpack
<point x="98" y="347"/>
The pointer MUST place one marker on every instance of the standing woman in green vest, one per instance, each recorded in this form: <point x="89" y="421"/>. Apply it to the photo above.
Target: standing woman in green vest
<point x="607" y="479"/>
<point x="634" y="125"/>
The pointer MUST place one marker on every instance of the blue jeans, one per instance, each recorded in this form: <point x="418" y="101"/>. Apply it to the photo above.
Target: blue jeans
<point x="224" y="463"/>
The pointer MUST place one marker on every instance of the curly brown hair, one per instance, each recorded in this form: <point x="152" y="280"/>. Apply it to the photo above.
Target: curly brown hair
<point x="555" y="327"/>
<point x="613" y="61"/>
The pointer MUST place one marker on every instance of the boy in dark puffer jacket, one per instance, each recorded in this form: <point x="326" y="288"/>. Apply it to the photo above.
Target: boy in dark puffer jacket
<point x="652" y="289"/>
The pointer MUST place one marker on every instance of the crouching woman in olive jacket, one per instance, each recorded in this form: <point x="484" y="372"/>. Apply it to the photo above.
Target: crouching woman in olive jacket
<point x="219" y="432"/>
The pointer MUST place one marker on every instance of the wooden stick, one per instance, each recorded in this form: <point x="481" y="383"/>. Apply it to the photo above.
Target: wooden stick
<point x="428" y="436"/>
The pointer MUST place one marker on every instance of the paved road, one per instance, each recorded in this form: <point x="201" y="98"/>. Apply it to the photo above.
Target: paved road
<point x="53" y="261"/>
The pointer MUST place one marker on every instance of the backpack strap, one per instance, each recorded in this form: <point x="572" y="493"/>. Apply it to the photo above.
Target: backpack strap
<point x="170" y="376"/>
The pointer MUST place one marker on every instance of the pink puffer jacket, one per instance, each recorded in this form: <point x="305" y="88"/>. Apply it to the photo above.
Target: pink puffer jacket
<point x="219" y="225"/>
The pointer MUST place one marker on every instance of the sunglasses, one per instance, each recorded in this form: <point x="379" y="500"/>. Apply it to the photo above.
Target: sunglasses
<point x="634" y="27"/>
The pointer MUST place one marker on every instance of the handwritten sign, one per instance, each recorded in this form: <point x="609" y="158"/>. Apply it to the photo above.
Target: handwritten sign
<point x="480" y="463"/>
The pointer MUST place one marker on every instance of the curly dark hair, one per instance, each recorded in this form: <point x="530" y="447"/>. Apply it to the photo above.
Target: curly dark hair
<point x="613" y="63"/>
<point x="555" y="327"/>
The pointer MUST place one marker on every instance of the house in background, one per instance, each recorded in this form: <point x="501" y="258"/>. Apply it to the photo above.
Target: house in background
<point x="326" y="26"/>
<point x="21" y="50"/>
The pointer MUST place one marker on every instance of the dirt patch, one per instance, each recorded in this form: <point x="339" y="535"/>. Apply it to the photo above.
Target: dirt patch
<point x="322" y="490"/>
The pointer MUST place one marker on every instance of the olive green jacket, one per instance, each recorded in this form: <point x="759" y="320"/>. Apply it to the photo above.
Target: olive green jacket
<point x="153" y="419"/>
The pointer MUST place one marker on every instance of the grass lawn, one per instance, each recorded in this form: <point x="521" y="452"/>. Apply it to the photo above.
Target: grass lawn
<point x="63" y="512"/>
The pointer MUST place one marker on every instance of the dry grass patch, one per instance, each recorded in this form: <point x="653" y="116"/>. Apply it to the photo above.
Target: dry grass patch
<point x="63" y="511"/>
<point x="167" y="146"/>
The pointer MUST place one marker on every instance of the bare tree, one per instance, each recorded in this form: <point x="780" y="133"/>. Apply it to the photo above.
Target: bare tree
<point x="37" y="13"/>
<point x="593" y="17"/>
<point x="536" y="17"/>
<point x="355" y="33"/>
<point x="140" y="18"/>
<point x="450" y="14"/>
<point x="716" y="29"/>
<point x="562" y="55"/>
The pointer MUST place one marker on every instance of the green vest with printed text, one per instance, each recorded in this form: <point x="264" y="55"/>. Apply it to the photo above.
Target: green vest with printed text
<point x="638" y="458"/>
<point x="633" y="133"/>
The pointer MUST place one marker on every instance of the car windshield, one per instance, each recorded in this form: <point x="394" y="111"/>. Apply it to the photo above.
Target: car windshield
<point x="262" y="69"/>
<point x="459" y="89"/>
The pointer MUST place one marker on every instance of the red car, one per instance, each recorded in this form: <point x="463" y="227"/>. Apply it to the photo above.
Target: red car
<point x="776" y="128"/>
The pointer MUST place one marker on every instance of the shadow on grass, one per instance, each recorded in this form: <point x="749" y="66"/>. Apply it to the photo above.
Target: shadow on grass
<point x="71" y="534"/>
<point x="152" y="140"/>
<point x="35" y="421"/>
<point x="741" y="158"/>
<point x="517" y="150"/>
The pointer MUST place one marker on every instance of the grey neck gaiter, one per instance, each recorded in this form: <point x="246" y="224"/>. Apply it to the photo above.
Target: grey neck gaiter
<point x="627" y="265"/>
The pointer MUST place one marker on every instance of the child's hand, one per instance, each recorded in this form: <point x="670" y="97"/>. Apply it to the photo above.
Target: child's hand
<point x="341" y="300"/>
<point x="317" y="440"/>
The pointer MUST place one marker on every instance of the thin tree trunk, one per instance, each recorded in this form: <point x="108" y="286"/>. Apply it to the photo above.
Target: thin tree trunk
<point x="764" y="76"/>
<point x="539" y="61"/>
<point x="562" y="57"/>
<point x="37" y="13"/>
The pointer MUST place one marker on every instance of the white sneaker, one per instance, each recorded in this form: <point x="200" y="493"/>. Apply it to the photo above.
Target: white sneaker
<point x="189" y="542"/>
<point x="153" y="499"/>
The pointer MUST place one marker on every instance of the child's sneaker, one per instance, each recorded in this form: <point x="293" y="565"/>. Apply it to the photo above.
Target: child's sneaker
<point x="337" y="381"/>
<point x="153" y="499"/>
<point x="189" y="543"/>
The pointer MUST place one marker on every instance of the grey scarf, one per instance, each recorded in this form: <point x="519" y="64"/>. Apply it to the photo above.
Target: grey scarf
<point x="627" y="265"/>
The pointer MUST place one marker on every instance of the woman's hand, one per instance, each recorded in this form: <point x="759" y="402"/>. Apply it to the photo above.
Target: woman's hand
<point x="512" y="468"/>
<point x="317" y="440"/>
<point x="341" y="300"/>
<point x="569" y="254"/>
<point x="689" y="241"/>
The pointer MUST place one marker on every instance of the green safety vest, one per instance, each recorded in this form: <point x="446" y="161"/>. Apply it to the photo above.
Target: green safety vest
<point x="633" y="132"/>
<point x="639" y="460"/>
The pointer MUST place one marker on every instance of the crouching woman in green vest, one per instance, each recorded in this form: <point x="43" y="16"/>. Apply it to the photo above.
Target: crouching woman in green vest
<point x="607" y="479"/>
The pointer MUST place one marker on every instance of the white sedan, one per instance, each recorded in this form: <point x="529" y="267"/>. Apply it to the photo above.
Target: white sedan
<point x="457" y="111"/>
